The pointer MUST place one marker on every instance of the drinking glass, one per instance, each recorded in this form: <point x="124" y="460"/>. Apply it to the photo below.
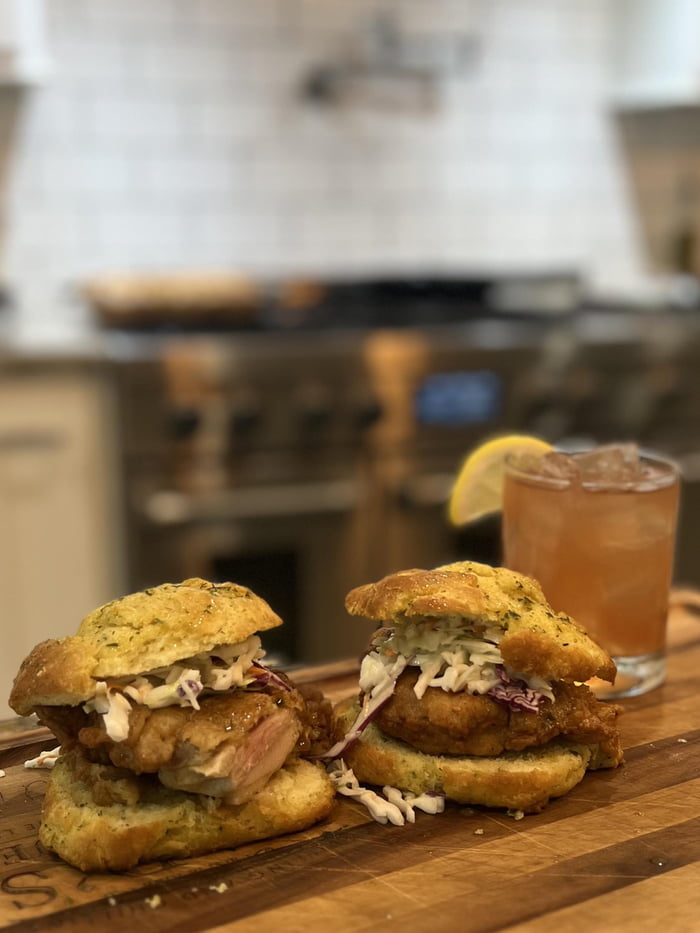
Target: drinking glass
<point x="597" y="530"/>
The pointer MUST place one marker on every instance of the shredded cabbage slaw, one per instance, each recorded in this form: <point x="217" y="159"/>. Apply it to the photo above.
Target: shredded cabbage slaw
<point x="45" y="759"/>
<point x="181" y="684"/>
<point x="448" y="657"/>
<point x="397" y="807"/>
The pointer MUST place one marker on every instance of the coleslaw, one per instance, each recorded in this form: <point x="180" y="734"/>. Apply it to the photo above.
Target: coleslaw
<point x="397" y="807"/>
<point x="226" y="666"/>
<point x="448" y="657"/>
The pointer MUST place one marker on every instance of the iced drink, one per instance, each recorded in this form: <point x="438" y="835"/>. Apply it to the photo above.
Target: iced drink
<point x="597" y="530"/>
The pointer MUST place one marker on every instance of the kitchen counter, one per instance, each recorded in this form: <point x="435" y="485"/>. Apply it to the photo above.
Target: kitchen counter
<point x="588" y="325"/>
<point x="621" y="851"/>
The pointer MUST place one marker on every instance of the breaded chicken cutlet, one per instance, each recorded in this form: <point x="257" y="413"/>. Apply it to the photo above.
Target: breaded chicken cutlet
<point x="473" y="687"/>
<point x="176" y="738"/>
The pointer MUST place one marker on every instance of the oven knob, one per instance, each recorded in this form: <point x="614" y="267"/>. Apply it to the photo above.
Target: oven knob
<point x="183" y="423"/>
<point x="314" y="418"/>
<point x="244" y="418"/>
<point x="366" y="413"/>
<point x="314" y="410"/>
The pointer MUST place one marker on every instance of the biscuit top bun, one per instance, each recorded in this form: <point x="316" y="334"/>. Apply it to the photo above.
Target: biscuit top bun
<point x="138" y="633"/>
<point x="533" y="638"/>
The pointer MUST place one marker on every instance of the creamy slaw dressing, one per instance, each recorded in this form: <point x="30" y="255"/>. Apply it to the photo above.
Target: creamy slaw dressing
<point x="179" y="684"/>
<point x="396" y="807"/>
<point x="448" y="657"/>
<point x="45" y="759"/>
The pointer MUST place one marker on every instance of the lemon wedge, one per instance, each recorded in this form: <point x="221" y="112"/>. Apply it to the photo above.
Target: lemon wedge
<point x="478" y="488"/>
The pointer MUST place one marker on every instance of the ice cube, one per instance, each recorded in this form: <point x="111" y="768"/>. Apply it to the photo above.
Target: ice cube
<point x="611" y="463"/>
<point x="558" y="465"/>
<point x="554" y="465"/>
<point x="525" y="462"/>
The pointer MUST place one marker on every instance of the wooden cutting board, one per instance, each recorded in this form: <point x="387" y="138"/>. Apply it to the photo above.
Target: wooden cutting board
<point x="620" y="852"/>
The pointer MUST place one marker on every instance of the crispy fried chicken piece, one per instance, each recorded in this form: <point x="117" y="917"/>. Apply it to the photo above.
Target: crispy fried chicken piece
<point x="228" y="748"/>
<point x="318" y="717"/>
<point x="230" y="754"/>
<point x="443" y="723"/>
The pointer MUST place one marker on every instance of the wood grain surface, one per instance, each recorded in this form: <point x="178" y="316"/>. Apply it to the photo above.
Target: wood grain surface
<point x="620" y="852"/>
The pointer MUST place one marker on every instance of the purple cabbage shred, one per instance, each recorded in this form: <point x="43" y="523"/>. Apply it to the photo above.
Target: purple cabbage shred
<point x="194" y="686"/>
<point x="515" y="693"/>
<point x="264" y="676"/>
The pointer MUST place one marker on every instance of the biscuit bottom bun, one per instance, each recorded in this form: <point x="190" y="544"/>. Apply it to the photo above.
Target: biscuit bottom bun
<point x="98" y="817"/>
<point x="176" y="737"/>
<point x="524" y="780"/>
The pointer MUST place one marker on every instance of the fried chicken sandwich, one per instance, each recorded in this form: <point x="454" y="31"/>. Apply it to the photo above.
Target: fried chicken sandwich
<point x="176" y="738"/>
<point x="473" y="688"/>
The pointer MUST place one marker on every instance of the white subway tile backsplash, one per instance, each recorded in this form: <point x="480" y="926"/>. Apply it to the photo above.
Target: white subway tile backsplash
<point x="173" y="134"/>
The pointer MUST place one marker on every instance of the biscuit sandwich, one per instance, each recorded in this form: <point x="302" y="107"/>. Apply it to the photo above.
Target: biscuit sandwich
<point x="473" y="689"/>
<point x="175" y="738"/>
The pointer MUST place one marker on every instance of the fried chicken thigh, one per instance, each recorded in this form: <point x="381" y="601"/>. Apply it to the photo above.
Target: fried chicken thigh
<point x="228" y="748"/>
<point x="443" y="723"/>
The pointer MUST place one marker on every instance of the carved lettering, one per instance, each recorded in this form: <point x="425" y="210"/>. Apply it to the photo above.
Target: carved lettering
<point x="35" y="790"/>
<point x="15" y="853"/>
<point x="29" y="893"/>
<point x="23" y="852"/>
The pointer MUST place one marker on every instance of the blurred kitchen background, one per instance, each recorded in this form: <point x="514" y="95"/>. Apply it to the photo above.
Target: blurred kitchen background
<point x="270" y="269"/>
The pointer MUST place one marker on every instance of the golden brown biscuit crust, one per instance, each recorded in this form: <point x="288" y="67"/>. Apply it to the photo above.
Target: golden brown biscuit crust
<point x="415" y="593"/>
<point x="59" y="668"/>
<point x="536" y="641"/>
<point x="138" y="633"/>
<point x="524" y="780"/>
<point x="101" y="818"/>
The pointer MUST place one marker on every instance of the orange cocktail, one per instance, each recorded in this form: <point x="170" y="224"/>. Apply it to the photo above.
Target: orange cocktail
<point x="598" y="531"/>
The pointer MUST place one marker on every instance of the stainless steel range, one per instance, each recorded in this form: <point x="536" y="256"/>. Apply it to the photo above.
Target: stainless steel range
<point x="246" y="459"/>
<point x="296" y="463"/>
<point x="305" y="463"/>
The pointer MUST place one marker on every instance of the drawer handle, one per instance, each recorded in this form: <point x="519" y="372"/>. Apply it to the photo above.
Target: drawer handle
<point x="169" y="507"/>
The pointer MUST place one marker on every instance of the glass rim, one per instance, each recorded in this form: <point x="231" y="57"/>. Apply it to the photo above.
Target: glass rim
<point x="668" y="475"/>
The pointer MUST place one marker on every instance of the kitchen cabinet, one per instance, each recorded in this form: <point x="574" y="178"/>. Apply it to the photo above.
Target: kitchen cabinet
<point x="60" y="540"/>
<point x="657" y="54"/>
<point x="24" y="55"/>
